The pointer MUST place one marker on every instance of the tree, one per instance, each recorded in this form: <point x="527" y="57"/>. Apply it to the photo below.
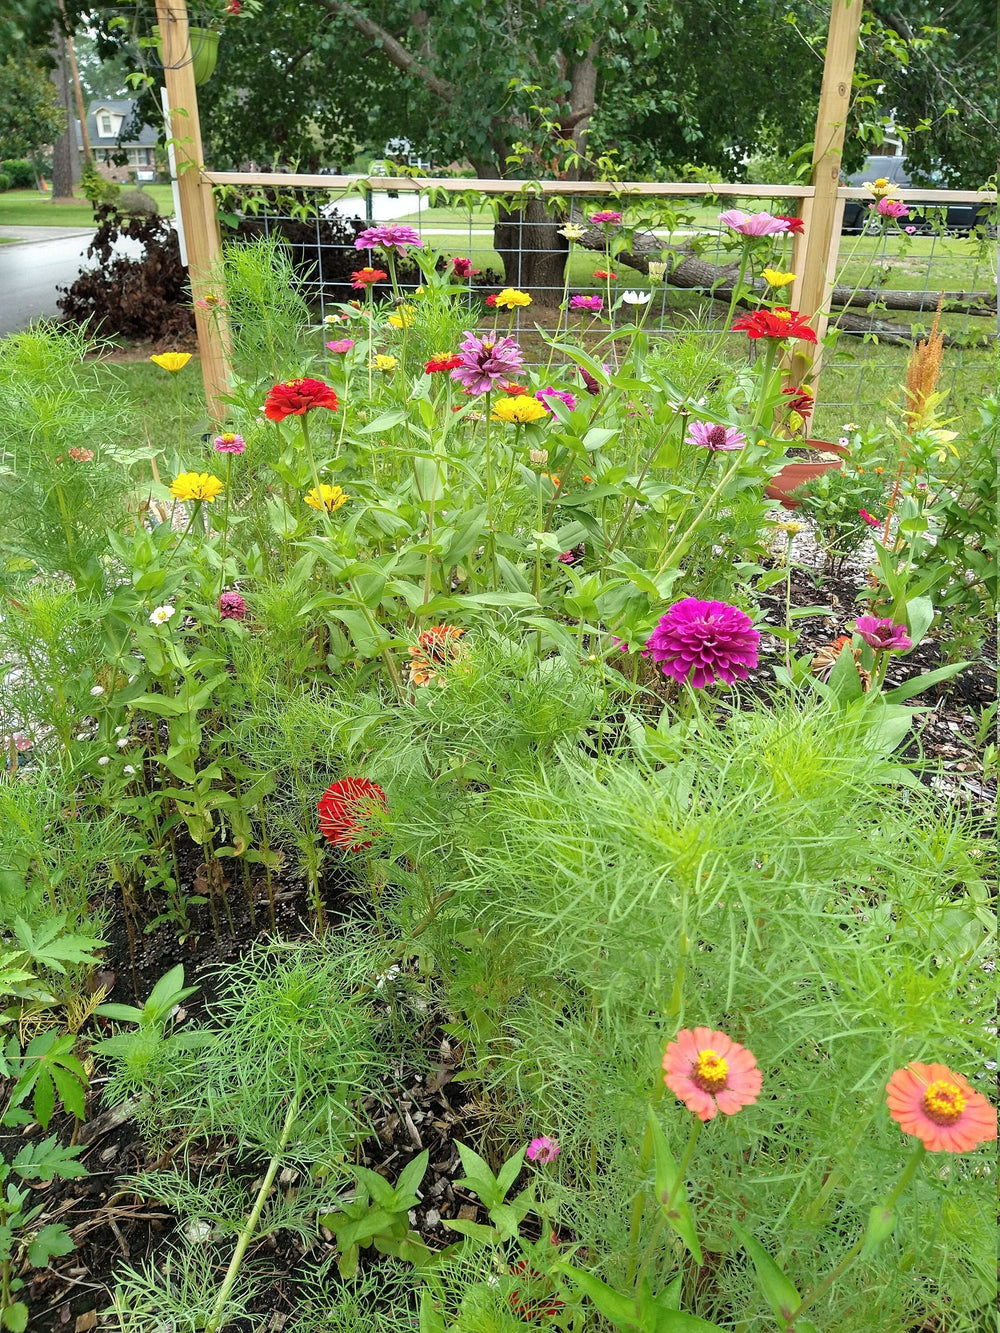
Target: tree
<point x="30" y="115"/>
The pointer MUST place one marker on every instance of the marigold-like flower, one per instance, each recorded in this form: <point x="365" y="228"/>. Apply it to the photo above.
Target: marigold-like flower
<point x="446" y="361"/>
<point x="81" y="455"/>
<point x="366" y="277"/>
<point x="340" y="345"/>
<point x="775" y="278"/>
<point x="383" y="362"/>
<point x="882" y="634"/>
<point x="719" y="439"/>
<point x="510" y="298"/>
<point x="561" y="394"/>
<point x="940" y="1108"/>
<point x="232" y="607"/>
<point x="462" y="268"/>
<point x="543" y="1149"/>
<point x="346" y="811"/>
<point x="603" y="275"/>
<point x="608" y="216"/>
<point x="195" y="486"/>
<point x="228" y="443"/>
<point x="518" y="411"/>
<point x="594" y="303"/>
<point x="573" y="231"/>
<point x="329" y="497"/>
<point x="710" y="1072"/>
<point x="161" y="614"/>
<point x="172" y="361"/>
<point x="390" y="236"/>
<point x="753" y="224"/>
<point x="294" y="398"/>
<point x="777" y="323"/>
<point x="892" y="208"/>
<point x="701" y="642"/>
<point x="485" y="361"/>
<point x="434" y="649"/>
<point x="402" y="318"/>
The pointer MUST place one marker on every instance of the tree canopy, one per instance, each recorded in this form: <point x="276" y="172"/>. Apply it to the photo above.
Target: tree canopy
<point x="30" y="114"/>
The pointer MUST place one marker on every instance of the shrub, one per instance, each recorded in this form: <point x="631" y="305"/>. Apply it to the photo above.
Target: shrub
<point x="20" y="172"/>
<point x="5" y="182"/>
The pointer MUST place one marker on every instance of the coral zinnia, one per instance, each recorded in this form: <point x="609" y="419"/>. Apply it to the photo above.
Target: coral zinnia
<point x="296" y="397"/>
<point x="486" y="360"/>
<point x="603" y="275"/>
<point x="710" y="1072"/>
<point x="390" y="236"/>
<point x="345" y="812"/>
<point x="701" y="642"/>
<point x="447" y="361"/>
<point x="716" y="438"/>
<point x="329" y="498"/>
<point x="367" y="277"/>
<point x="940" y="1108"/>
<point x="800" y="400"/>
<point x="777" y="323"/>
<point x="518" y="411"/>
<point x="882" y="634"/>
<point x="195" y="486"/>
<point x="435" y="647"/>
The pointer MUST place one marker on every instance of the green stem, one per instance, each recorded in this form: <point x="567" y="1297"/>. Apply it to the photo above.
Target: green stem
<point x="225" y="530"/>
<point x="678" y="550"/>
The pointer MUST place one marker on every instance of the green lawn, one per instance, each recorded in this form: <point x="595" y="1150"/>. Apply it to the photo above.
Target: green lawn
<point x="30" y="208"/>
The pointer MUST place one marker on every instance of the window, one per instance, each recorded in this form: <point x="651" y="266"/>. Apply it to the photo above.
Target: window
<point x="104" y="127"/>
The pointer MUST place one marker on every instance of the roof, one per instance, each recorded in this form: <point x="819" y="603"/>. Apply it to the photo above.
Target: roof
<point x="118" y="106"/>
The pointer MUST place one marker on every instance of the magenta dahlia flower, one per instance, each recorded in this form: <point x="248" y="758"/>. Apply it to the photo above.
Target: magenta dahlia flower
<point x="716" y="438"/>
<point x="892" y="208"/>
<point x="232" y="607"/>
<point x="485" y="361"/>
<point x="593" y="303"/>
<point x="701" y="642"/>
<point x="544" y="395"/>
<point x="389" y="236"/>
<point x="753" y="224"/>
<point x="883" y="635"/>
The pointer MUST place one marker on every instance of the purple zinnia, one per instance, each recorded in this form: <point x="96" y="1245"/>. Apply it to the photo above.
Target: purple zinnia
<point x="543" y="394"/>
<point x="702" y="642"/>
<point x="232" y="607"/>
<point x="717" y="438"/>
<point x="586" y="303"/>
<point x="485" y="361"/>
<point x="883" y="635"/>
<point x="753" y="224"/>
<point x="390" y="236"/>
<point x="609" y="215"/>
<point x="341" y="345"/>
<point x="229" y="444"/>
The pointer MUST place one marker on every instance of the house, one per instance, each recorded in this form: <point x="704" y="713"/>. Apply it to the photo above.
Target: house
<point x="106" y="120"/>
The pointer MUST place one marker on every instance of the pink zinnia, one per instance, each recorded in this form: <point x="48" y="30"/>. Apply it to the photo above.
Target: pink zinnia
<point x="543" y="1149"/>
<point x="609" y="215"/>
<point x="883" y="635"/>
<point x="462" y="268"/>
<point x="701" y="642"/>
<point x="892" y="208"/>
<point x="940" y="1108"/>
<point x="719" y="439"/>
<point x="485" y="361"/>
<point x="543" y="395"/>
<point x="340" y="345"/>
<point x="710" y="1072"/>
<point x="389" y="236"/>
<point x="229" y="443"/>
<point x="232" y="607"/>
<point x="754" y="224"/>
<point x="867" y="518"/>
<point x="910" y="231"/>
<point x="586" y="303"/>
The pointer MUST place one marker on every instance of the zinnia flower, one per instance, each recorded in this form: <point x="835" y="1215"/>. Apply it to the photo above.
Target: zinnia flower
<point x="883" y="635"/>
<point x="710" y="1072"/>
<point x="161" y="614"/>
<point x="462" y="268"/>
<point x="345" y="811"/>
<point x="602" y="275"/>
<point x="940" y="1108"/>
<point x="892" y="208"/>
<point x="591" y="383"/>
<point x="753" y="224"/>
<point x="657" y="271"/>
<point x="722" y="439"/>
<point x="775" y="278"/>
<point x="636" y="298"/>
<point x="486" y="360"/>
<point x="608" y="216"/>
<point x="172" y="361"/>
<point x="296" y="397"/>
<point x="329" y="497"/>
<point x="777" y="323"/>
<point x="867" y="518"/>
<point x="563" y="397"/>
<point x="880" y="187"/>
<point x="543" y="1149"/>
<point x="383" y="362"/>
<point x="491" y="300"/>
<point x="510" y="297"/>
<point x="447" y="361"/>
<point x="229" y="444"/>
<point x="799" y="400"/>
<point x="536" y="1301"/>
<point x="434" y="649"/>
<point x="910" y="231"/>
<point x="390" y="236"/>
<point x="232" y="607"/>
<point x="363" y="278"/>
<point x="403" y="317"/>
<point x="518" y="411"/>
<point x="195" y="486"/>
<point x="340" y="346"/>
<point x="512" y="388"/>
<point x="81" y="455"/>
<point x="795" y="225"/>
<point x="701" y="642"/>
<point x="593" y="303"/>
<point x="573" y="231"/>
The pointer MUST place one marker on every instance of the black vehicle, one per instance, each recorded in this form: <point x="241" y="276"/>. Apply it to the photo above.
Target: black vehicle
<point x="957" y="219"/>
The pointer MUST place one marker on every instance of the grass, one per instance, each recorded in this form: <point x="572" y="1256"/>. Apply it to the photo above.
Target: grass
<point x="30" y="208"/>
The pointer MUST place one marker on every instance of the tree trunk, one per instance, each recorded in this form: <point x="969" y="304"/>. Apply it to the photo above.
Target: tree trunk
<point x="64" y="154"/>
<point x="534" y="254"/>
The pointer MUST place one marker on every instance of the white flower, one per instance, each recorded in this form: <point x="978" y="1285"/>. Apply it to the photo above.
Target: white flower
<point x="538" y="456"/>
<point x="104" y="761"/>
<point x="124" y="742"/>
<point x="161" y="615"/>
<point x="636" y="298"/>
<point x="331" y="319"/>
<point x="657" y="271"/>
<point x="83" y="736"/>
<point x="573" y="231"/>
<point x="850" y="425"/>
<point x="129" y="770"/>
<point x="96" y="690"/>
<point x="119" y="730"/>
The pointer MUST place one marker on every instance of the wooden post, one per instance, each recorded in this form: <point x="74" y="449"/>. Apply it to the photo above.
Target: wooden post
<point x="201" y="229"/>
<point x="814" y="253"/>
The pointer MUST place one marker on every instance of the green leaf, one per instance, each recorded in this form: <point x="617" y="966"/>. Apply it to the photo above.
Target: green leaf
<point x="385" y="422"/>
<point x="474" y="1230"/>
<point x="510" y="1171"/>
<point x="411" y="1175"/>
<point x="920" y="683"/>
<point x="779" y="1292"/>
<point x="845" y="683"/>
<point x="15" y="1317"/>
<point x="612" y="1304"/>
<point x="51" y="1242"/>
<point x="919" y="616"/>
<point x="45" y="1098"/>
<point x="670" y="1190"/>
<point x="881" y="1225"/>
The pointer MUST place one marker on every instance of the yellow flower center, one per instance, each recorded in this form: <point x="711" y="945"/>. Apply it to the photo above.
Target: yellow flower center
<point x="710" y="1072"/>
<point x="782" y="314"/>
<point x="944" y="1102"/>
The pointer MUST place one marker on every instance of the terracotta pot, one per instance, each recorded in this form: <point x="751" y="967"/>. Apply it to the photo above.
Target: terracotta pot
<point x="204" y="44"/>
<point x="800" y="470"/>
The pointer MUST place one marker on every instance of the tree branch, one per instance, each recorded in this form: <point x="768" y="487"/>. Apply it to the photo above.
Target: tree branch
<point x="394" y="50"/>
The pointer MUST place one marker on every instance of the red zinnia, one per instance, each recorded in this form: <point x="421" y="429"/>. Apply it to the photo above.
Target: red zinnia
<point x="777" y="323"/>
<point x="513" y="390"/>
<point x="295" y="398"/>
<point x="462" y="268"/>
<point x="491" y="300"/>
<point x="794" y="224"/>
<point x="524" y="1303"/>
<point x="602" y="273"/>
<point x="345" y="810"/>
<point x="800" y="400"/>
<point x="437" y="363"/>
<point x="367" y="277"/>
<point x="710" y="1072"/>
<point x="940" y="1108"/>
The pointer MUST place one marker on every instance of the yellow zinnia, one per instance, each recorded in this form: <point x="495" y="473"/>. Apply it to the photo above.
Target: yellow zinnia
<point x="329" y="498"/>
<point x="510" y="297"/>
<point x="195" y="486"/>
<point x="403" y="317"/>
<point x="880" y="187"/>
<point x="381" y="362"/>
<point x="172" y="361"/>
<point x="519" y="410"/>
<point x="776" y="279"/>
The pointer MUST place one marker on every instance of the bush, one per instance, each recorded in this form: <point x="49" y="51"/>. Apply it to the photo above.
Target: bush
<point x="20" y="172"/>
<point x="137" y="203"/>
<point x="5" y="182"/>
<point x="95" y="188"/>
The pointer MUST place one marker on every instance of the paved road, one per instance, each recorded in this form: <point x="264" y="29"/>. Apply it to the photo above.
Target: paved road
<point x="30" y="271"/>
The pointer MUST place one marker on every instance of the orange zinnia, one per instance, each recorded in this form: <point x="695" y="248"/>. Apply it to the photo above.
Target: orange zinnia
<point x="940" y="1108"/>
<point x="710" y="1072"/>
